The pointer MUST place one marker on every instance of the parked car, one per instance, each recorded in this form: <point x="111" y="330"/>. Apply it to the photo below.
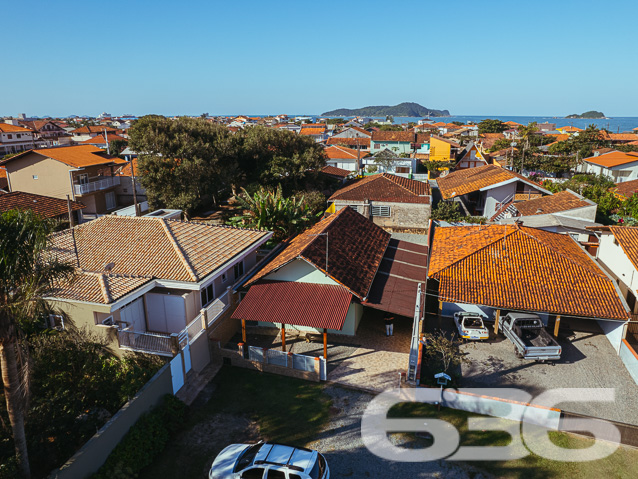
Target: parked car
<point x="470" y="326"/>
<point x="530" y="339"/>
<point x="268" y="461"/>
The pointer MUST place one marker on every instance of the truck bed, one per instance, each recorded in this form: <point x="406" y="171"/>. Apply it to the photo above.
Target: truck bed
<point x="537" y="338"/>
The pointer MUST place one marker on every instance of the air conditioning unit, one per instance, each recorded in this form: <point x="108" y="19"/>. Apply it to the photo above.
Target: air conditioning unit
<point x="108" y="321"/>
<point x="56" y="321"/>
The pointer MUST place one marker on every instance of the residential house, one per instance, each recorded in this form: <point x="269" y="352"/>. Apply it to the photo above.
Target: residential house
<point x="344" y="158"/>
<point x="442" y="149"/>
<point x="387" y="161"/>
<point x="622" y="138"/>
<point x="85" y="132"/>
<point x="353" y="132"/>
<point x="289" y="127"/>
<point x="102" y="141"/>
<point x="570" y="130"/>
<point x="318" y="131"/>
<point x="141" y="279"/>
<point x="546" y="126"/>
<point x="400" y="142"/>
<point x="484" y="190"/>
<point x="45" y="129"/>
<point x="360" y="143"/>
<point x="500" y="268"/>
<point x="390" y="201"/>
<point x="564" y="212"/>
<point x="487" y="140"/>
<point x="83" y="173"/>
<point x="14" y="139"/>
<point x="625" y="189"/>
<point x="336" y="173"/>
<point x="470" y="157"/>
<point x="617" y="165"/>
<point x="44" y="206"/>
<point x="124" y="190"/>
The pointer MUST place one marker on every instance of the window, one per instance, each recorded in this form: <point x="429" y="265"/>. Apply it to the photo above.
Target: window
<point x="35" y="177"/>
<point x="110" y="200"/>
<point x="239" y="270"/>
<point x="56" y="321"/>
<point x="207" y="294"/>
<point x="224" y="278"/>
<point x="275" y="474"/>
<point x="9" y="136"/>
<point x="18" y="135"/>
<point x="403" y="169"/>
<point x="255" y="473"/>
<point x="377" y="146"/>
<point x="381" y="210"/>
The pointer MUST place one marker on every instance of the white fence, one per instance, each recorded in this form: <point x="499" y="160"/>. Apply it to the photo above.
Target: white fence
<point x="256" y="354"/>
<point x="217" y="307"/>
<point x="155" y="343"/>
<point x="280" y="358"/>
<point x="300" y="362"/>
<point x="96" y="185"/>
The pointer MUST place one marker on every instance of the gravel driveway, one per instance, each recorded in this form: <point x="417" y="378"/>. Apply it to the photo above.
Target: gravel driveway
<point x="343" y="448"/>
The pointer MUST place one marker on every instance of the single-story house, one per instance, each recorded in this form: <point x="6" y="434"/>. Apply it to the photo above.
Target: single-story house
<point x="617" y="165"/>
<point x="344" y="158"/>
<point x="400" y="142"/>
<point x="45" y="206"/>
<point x="486" y="189"/>
<point x="390" y="201"/>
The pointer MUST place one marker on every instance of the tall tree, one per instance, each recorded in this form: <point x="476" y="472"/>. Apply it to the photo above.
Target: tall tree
<point x="491" y="126"/>
<point x="27" y="273"/>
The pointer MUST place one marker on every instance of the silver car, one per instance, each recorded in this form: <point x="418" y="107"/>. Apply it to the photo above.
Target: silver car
<point x="268" y="461"/>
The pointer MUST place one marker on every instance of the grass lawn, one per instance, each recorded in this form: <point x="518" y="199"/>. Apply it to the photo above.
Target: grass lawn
<point x="623" y="463"/>
<point x="286" y="410"/>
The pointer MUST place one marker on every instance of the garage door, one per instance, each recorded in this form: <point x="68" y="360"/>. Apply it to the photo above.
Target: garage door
<point x="133" y="315"/>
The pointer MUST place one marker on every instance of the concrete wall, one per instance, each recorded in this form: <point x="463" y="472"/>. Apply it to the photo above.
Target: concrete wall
<point x="629" y="358"/>
<point x="614" y="331"/>
<point x="52" y="176"/>
<point x="497" y="195"/>
<point x="402" y="215"/>
<point x="87" y="315"/>
<point x="94" y="453"/>
<point x="614" y="259"/>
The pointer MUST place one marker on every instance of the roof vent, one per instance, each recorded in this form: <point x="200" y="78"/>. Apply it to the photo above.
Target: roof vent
<point x="109" y="266"/>
<point x="538" y="211"/>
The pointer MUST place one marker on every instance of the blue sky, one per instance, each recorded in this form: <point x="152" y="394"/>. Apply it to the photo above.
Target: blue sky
<point x="189" y="57"/>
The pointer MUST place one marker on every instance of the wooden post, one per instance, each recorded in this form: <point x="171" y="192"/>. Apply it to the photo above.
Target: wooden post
<point x="283" y="337"/>
<point x="556" y="326"/>
<point x="325" y="344"/>
<point x="243" y="330"/>
<point x="68" y="206"/>
<point x="497" y="317"/>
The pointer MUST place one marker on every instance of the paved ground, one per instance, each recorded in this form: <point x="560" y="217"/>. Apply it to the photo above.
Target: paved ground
<point x="346" y="455"/>
<point x="588" y="361"/>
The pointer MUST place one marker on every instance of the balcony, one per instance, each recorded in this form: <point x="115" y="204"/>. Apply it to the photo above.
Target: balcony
<point x="527" y="196"/>
<point x="96" y="184"/>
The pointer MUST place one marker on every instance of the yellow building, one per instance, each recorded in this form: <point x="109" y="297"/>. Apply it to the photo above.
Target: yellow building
<point x="442" y="149"/>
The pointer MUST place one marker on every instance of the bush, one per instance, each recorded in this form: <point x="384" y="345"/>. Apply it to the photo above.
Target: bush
<point x="145" y="441"/>
<point x="449" y="211"/>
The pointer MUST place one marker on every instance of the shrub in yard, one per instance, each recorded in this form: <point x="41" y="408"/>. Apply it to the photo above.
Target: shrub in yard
<point x="145" y="441"/>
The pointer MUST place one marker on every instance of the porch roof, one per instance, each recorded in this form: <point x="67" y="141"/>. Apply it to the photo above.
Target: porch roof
<point x="299" y="304"/>
<point x="395" y="286"/>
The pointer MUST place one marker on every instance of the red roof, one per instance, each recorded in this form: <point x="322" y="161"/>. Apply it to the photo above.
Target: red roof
<point x="99" y="139"/>
<point x="340" y="152"/>
<point x="334" y="171"/>
<point x="299" y="304"/>
<point x="385" y="187"/>
<point x="41" y="205"/>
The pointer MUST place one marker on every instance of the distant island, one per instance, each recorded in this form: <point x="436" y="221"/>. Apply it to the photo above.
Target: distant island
<point x="589" y="115"/>
<point x="402" y="109"/>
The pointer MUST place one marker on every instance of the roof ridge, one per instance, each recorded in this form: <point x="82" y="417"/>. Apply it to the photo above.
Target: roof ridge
<point x="558" y="252"/>
<point x="104" y="288"/>
<point x="178" y="250"/>
<point x="394" y="179"/>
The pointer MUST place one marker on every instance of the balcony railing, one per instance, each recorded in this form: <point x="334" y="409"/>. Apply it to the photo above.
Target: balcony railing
<point x="154" y="343"/>
<point x="96" y="185"/>
<point x="527" y="196"/>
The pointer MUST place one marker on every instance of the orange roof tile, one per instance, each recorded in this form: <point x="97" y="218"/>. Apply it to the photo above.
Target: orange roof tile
<point x="385" y="187"/>
<point x="7" y="128"/>
<point x="349" y="141"/>
<point x="519" y="268"/>
<point x="104" y="288"/>
<point x="465" y="181"/>
<point x="562" y="201"/>
<point x="75" y="156"/>
<point x="623" y="137"/>
<point x="623" y="190"/>
<point x="42" y="205"/>
<point x="339" y="152"/>
<point x="93" y="129"/>
<point x="334" y="171"/>
<point x="569" y="128"/>
<point x="313" y="129"/>
<point x="611" y="159"/>
<point x="99" y="139"/>
<point x="353" y="263"/>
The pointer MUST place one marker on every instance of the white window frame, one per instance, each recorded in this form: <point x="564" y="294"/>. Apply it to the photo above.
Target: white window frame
<point x="54" y="319"/>
<point x="381" y="211"/>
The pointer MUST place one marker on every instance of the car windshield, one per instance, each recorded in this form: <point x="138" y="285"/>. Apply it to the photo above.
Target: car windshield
<point x="473" y="323"/>
<point x="247" y="457"/>
<point x="253" y="473"/>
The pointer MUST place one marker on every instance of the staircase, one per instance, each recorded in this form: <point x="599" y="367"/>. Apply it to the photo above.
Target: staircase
<point x="506" y="211"/>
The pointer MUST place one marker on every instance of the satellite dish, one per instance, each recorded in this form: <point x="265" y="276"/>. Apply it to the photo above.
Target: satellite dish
<point x="109" y="266"/>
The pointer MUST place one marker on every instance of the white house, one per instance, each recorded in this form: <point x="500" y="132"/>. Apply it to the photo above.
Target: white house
<point x="617" y="165"/>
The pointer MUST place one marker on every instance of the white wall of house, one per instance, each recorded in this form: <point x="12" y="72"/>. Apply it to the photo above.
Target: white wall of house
<point x="302" y="272"/>
<point x="496" y="196"/>
<point x="344" y="164"/>
<point x="614" y="331"/>
<point x="611" y="255"/>
<point x="620" y="173"/>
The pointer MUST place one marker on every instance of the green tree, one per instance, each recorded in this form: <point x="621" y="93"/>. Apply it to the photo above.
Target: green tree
<point x="116" y="147"/>
<point x="268" y="209"/>
<point x="449" y="211"/>
<point x="491" y="126"/>
<point x="443" y="352"/>
<point x="27" y="274"/>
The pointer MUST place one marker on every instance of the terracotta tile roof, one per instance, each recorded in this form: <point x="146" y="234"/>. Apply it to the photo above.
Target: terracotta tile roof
<point x="623" y="137"/>
<point x="312" y="129"/>
<point x="496" y="136"/>
<point x="614" y="158"/>
<point x="36" y="125"/>
<point x="125" y="170"/>
<point x="300" y="304"/>
<point x="385" y="187"/>
<point x="154" y="247"/>
<point x="361" y="130"/>
<point x="562" y="201"/>
<point x="42" y="205"/>
<point x="519" y="268"/>
<point x="632" y="143"/>
<point x="352" y="262"/>
<point x="512" y="123"/>
<point x="7" y="128"/>
<point x="349" y="141"/>
<point x="627" y="237"/>
<point x="99" y="139"/>
<point x="465" y="181"/>
<point x="75" y="156"/>
<point x="340" y="152"/>
<point x="334" y="171"/>
<point x="624" y="190"/>
<point x="560" y="137"/>
<point x="404" y="136"/>
<point x="569" y="128"/>
<point x="93" y="287"/>
<point x="86" y="130"/>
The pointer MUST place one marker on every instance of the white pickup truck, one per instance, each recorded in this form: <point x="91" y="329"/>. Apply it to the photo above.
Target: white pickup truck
<point x="530" y="339"/>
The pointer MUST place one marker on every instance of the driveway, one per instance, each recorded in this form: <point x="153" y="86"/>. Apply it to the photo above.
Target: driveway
<point x="588" y="361"/>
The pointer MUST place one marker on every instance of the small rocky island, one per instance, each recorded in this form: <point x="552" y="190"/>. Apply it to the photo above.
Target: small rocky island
<point x="589" y="115"/>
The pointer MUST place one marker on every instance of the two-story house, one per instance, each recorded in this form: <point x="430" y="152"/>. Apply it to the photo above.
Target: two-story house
<point x="400" y="142"/>
<point x="85" y="132"/>
<point x="14" y="139"/>
<point x="83" y="173"/>
<point x="45" y="129"/>
<point x="442" y="149"/>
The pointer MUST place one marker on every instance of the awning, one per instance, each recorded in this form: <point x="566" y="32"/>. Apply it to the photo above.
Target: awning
<point x="402" y="269"/>
<point x="297" y="304"/>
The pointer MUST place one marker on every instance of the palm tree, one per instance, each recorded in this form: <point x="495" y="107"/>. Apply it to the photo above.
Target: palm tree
<point x="27" y="273"/>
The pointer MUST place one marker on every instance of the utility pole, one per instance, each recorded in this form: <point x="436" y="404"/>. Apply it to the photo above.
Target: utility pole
<point x="68" y="207"/>
<point x="137" y="208"/>
<point x="106" y="139"/>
